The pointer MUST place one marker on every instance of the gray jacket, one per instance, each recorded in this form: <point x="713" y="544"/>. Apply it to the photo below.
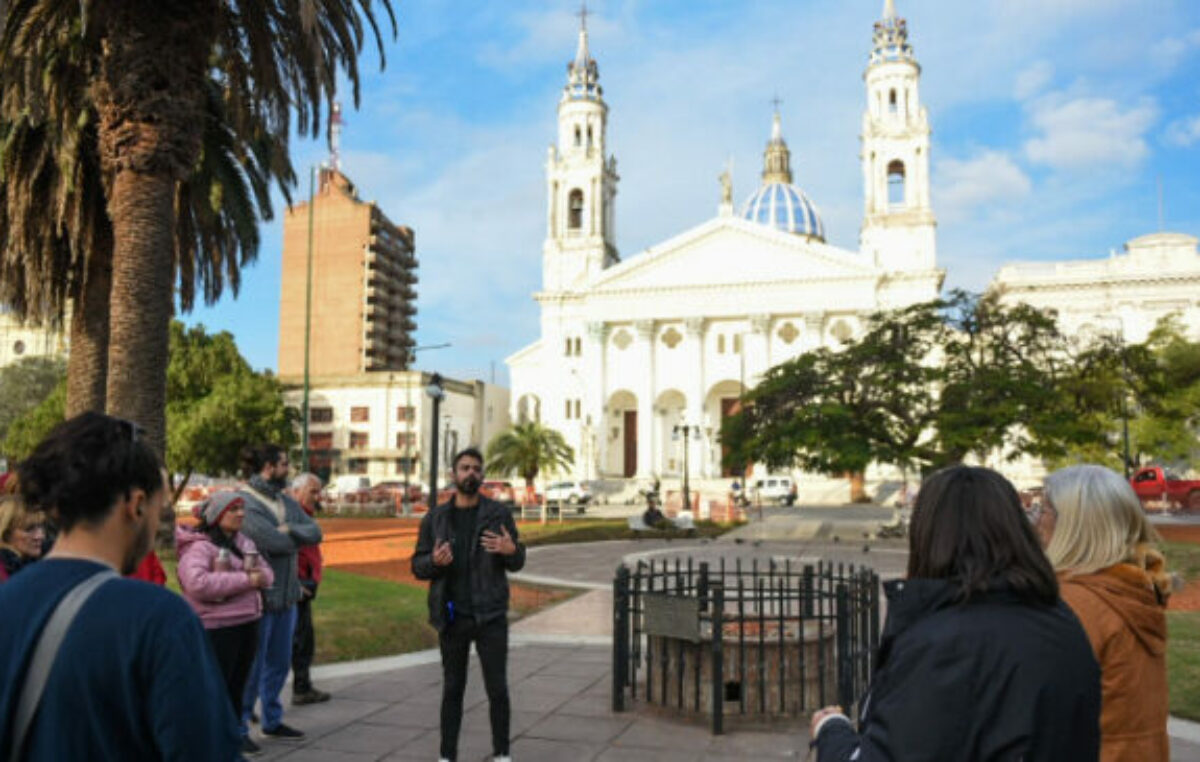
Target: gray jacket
<point x="279" y="548"/>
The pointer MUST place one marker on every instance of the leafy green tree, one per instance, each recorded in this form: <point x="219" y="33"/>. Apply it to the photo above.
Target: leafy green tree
<point x="24" y="384"/>
<point x="217" y="404"/>
<point x="835" y="411"/>
<point x="528" y="449"/>
<point x="32" y="427"/>
<point x="146" y="69"/>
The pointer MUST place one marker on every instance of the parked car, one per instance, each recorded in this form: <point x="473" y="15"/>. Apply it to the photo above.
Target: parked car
<point x="772" y="488"/>
<point x="1155" y="484"/>
<point x="501" y="492"/>
<point x="394" y="491"/>
<point x="571" y="493"/>
<point x="348" y="486"/>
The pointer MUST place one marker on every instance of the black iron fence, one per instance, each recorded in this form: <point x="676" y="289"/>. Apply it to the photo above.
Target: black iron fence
<point x="759" y="640"/>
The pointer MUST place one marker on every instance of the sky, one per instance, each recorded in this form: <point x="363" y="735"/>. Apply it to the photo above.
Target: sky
<point x="1055" y="125"/>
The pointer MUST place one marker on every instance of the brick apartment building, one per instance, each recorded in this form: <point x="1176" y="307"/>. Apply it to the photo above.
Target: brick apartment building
<point x="363" y="278"/>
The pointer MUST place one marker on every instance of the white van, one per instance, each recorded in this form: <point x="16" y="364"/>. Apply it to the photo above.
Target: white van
<point x="772" y="488"/>
<point x="347" y="484"/>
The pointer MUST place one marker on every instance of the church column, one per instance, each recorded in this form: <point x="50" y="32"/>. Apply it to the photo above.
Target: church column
<point x="693" y="389"/>
<point x="757" y="346"/>
<point x="596" y="384"/>
<point x="645" y="399"/>
<point x="814" y="324"/>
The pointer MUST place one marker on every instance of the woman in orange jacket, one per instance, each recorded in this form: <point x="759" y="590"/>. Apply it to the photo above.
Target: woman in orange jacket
<point x="1113" y="577"/>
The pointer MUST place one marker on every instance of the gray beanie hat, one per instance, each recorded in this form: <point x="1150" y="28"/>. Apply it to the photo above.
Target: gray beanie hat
<point x="212" y="509"/>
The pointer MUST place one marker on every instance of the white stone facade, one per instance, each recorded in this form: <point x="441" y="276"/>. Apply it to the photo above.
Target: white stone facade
<point x="632" y="351"/>
<point x="19" y="341"/>
<point x="1125" y="295"/>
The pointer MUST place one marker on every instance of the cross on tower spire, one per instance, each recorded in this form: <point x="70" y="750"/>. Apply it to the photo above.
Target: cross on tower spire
<point x="582" y="14"/>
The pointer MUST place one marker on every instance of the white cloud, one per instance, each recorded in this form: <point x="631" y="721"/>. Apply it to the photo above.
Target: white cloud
<point x="1184" y="132"/>
<point x="1033" y="80"/>
<point x="987" y="180"/>
<point x="1083" y="133"/>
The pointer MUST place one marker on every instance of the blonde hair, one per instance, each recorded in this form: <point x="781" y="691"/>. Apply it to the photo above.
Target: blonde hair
<point x="12" y="516"/>
<point x="1099" y="519"/>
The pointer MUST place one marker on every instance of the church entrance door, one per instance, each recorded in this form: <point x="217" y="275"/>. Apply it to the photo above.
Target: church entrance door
<point x="630" y="443"/>
<point x="729" y="406"/>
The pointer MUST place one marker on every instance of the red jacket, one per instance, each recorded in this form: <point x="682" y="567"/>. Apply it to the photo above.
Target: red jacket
<point x="308" y="560"/>
<point x="150" y="570"/>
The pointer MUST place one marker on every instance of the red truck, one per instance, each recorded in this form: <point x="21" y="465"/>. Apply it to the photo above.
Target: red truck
<point x="1160" y="488"/>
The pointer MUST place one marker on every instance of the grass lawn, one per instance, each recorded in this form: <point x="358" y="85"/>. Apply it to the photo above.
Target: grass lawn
<point x="1183" y="636"/>
<point x="1183" y="663"/>
<point x="595" y="530"/>
<point x="358" y="617"/>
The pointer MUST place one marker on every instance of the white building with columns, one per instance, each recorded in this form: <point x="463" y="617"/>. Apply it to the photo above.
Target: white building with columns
<point x="1124" y="295"/>
<point x="632" y="349"/>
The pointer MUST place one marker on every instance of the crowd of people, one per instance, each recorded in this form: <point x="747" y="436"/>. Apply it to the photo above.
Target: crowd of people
<point x="1013" y="636"/>
<point x="248" y="569"/>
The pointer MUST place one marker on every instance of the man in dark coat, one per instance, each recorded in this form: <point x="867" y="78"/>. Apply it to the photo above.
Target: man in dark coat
<point x="465" y="548"/>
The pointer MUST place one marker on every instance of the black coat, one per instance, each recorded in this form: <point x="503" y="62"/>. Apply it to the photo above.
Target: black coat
<point x="489" y="581"/>
<point x="997" y="679"/>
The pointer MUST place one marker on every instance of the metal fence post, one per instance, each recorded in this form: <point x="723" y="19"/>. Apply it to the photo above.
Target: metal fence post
<point x="844" y="656"/>
<point x="718" y="657"/>
<point x="620" y="637"/>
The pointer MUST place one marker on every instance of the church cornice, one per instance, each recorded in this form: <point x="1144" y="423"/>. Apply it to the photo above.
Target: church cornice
<point x="1093" y="283"/>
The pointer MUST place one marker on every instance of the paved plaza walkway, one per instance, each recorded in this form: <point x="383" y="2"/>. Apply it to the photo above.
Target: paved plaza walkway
<point x="560" y="674"/>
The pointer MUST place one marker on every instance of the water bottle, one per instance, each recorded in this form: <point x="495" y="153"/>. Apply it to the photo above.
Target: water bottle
<point x="223" y="563"/>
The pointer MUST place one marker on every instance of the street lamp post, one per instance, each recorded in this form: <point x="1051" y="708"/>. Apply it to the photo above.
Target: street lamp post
<point x="405" y="499"/>
<point x="688" y="431"/>
<point x="312" y="184"/>
<point x="436" y="393"/>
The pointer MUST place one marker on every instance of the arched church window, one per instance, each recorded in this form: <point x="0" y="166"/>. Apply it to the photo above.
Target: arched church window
<point x="720" y="343"/>
<point x="575" y="210"/>
<point x="841" y="331"/>
<point x="895" y="181"/>
<point x="578" y="137"/>
<point x="578" y="346"/>
<point x="737" y="343"/>
<point x="568" y="352"/>
<point x="589" y="136"/>
<point x="892" y="101"/>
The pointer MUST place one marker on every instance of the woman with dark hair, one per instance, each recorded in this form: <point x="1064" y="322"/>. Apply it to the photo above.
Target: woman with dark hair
<point x="979" y="659"/>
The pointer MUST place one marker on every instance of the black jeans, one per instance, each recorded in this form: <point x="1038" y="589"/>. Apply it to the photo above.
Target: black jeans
<point x="235" y="648"/>
<point x="303" y="644"/>
<point x="491" y="643"/>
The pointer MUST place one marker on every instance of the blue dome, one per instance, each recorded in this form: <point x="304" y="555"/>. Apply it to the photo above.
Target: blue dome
<point x="784" y="207"/>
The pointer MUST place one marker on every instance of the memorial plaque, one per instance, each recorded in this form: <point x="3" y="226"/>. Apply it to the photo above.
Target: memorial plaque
<point x="673" y="617"/>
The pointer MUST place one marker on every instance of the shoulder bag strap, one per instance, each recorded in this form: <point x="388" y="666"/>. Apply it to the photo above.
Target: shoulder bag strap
<point x="45" y="653"/>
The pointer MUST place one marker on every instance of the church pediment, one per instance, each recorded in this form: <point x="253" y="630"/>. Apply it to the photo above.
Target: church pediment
<point x="729" y="251"/>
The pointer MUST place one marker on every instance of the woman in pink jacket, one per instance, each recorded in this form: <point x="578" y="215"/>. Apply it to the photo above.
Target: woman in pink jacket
<point x="221" y="575"/>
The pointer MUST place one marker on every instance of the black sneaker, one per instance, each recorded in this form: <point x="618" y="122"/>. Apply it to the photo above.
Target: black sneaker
<point x="249" y="748"/>
<point x="283" y="731"/>
<point x="310" y="696"/>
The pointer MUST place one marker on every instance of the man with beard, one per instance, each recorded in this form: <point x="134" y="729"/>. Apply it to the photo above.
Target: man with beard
<point x="93" y="666"/>
<point x="279" y="527"/>
<point x="465" y="548"/>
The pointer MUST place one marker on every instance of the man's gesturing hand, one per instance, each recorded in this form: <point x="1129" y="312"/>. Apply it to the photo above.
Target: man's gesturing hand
<point x="442" y="555"/>
<point x="499" y="543"/>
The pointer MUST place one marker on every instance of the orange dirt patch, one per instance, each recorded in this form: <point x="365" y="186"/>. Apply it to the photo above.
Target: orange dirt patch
<point x="383" y="548"/>
<point x="1180" y="532"/>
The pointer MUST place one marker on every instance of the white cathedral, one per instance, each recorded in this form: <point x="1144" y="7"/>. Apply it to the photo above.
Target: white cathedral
<point x="640" y="358"/>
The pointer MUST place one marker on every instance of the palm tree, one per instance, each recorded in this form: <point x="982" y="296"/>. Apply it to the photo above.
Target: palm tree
<point x="527" y="449"/>
<point x="52" y="254"/>
<point x="147" y="67"/>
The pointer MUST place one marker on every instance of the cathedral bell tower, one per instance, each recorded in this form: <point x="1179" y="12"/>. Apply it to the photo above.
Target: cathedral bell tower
<point x="898" y="229"/>
<point x="580" y="182"/>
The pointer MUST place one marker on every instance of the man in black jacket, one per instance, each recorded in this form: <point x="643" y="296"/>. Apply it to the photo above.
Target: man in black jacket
<point x="465" y="548"/>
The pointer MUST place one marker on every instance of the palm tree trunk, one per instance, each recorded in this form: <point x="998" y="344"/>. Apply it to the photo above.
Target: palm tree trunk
<point x="87" y="365"/>
<point x="142" y="208"/>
